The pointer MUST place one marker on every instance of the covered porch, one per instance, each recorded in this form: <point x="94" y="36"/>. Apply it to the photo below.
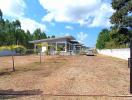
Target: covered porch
<point x="64" y="45"/>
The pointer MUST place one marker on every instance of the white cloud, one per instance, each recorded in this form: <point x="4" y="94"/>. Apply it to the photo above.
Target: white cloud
<point x="88" y="12"/>
<point x="15" y="10"/>
<point x="69" y="27"/>
<point x="81" y="37"/>
<point x="102" y="18"/>
<point x="67" y="34"/>
<point x="31" y="25"/>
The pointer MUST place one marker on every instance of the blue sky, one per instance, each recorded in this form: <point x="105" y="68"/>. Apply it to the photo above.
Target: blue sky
<point x="81" y="19"/>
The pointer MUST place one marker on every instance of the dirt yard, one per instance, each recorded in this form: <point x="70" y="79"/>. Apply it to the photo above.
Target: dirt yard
<point x="64" y="78"/>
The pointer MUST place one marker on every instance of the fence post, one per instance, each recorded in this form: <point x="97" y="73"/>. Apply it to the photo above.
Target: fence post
<point x="130" y="64"/>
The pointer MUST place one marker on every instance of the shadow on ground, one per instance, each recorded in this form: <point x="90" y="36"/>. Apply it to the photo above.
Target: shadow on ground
<point x="8" y="94"/>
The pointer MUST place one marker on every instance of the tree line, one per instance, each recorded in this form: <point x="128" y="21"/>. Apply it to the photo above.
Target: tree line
<point x="120" y="33"/>
<point x="113" y="38"/>
<point x="11" y="33"/>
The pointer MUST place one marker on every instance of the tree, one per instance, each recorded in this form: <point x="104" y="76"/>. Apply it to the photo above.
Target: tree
<point x="119" y="36"/>
<point x="38" y="34"/>
<point x="121" y="31"/>
<point x="12" y="48"/>
<point x="1" y="14"/>
<point x="102" y="39"/>
<point x="28" y="37"/>
<point x="122" y="20"/>
<point x="43" y="35"/>
<point x="53" y="36"/>
<point x="122" y="17"/>
<point x="12" y="34"/>
<point x="48" y="37"/>
<point x="16" y="24"/>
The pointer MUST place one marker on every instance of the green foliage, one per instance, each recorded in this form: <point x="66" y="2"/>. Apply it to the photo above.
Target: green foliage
<point x="53" y="36"/>
<point x="122" y="31"/>
<point x="12" y="34"/>
<point x="118" y="37"/>
<point x="1" y="14"/>
<point x="18" y="48"/>
<point x="48" y="37"/>
<point x="39" y="45"/>
<point x="109" y="45"/>
<point x="122" y="16"/>
<point x="21" y="50"/>
<point x="60" y="47"/>
<point x="11" y="47"/>
<point x="47" y="52"/>
<point x="38" y="34"/>
<point x="102" y="39"/>
<point x="112" y="39"/>
<point x="59" y="50"/>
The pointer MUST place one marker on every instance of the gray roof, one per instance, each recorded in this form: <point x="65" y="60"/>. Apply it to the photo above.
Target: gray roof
<point x="74" y="41"/>
<point x="68" y="38"/>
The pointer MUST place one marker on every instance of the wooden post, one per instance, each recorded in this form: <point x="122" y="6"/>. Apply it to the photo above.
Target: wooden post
<point x="130" y="66"/>
<point x="40" y="57"/>
<point x="13" y="65"/>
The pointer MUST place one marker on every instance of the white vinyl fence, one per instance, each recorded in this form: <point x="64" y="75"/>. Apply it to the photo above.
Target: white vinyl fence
<point x="7" y="53"/>
<point x="118" y="53"/>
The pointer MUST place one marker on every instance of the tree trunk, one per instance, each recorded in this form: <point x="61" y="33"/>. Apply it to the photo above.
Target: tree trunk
<point x="40" y="57"/>
<point x="13" y="65"/>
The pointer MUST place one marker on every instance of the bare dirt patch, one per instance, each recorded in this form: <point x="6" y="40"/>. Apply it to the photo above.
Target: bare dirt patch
<point x="80" y="77"/>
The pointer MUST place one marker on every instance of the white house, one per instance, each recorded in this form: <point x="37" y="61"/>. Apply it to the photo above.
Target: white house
<point x="66" y="44"/>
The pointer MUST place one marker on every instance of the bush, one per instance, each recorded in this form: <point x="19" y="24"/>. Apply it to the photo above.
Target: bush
<point x="21" y="50"/>
<point x="47" y="52"/>
<point x="29" y="51"/>
<point x="58" y="51"/>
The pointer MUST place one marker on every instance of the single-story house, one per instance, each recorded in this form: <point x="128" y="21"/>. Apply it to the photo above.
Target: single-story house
<point x="66" y="44"/>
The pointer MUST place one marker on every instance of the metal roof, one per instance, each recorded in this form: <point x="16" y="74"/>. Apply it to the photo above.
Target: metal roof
<point x="53" y="39"/>
<point x="74" y="41"/>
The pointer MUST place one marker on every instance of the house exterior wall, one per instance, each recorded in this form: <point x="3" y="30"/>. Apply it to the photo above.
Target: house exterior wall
<point x="44" y="48"/>
<point x="65" y="44"/>
<point x="55" y="44"/>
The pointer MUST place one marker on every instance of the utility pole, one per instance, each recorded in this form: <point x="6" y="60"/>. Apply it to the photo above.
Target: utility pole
<point x="130" y="66"/>
<point x="124" y="31"/>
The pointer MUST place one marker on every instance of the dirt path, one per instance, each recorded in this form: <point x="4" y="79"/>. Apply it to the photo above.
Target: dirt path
<point x="65" y="75"/>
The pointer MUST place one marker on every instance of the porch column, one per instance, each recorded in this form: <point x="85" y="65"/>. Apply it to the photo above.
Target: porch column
<point x="74" y="48"/>
<point x="56" y="46"/>
<point x="34" y="47"/>
<point x="69" y="47"/>
<point x="65" y="47"/>
<point x="80" y="48"/>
